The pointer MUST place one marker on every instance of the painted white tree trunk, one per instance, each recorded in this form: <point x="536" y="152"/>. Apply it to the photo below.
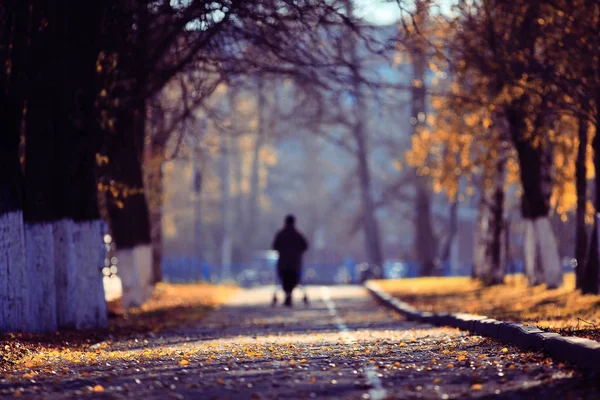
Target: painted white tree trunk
<point x="454" y="254"/>
<point x="39" y="244"/>
<point x="548" y="253"/>
<point x="65" y="273"/>
<point x="530" y="253"/>
<point x="14" y="283"/>
<point x="480" y="261"/>
<point x="542" y="261"/>
<point x="91" y="309"/>
<point x="130" y="279"/>
<point x="142" y="259"/>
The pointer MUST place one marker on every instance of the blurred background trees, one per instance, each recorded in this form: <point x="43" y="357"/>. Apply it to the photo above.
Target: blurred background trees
<point x="459" y="139"/>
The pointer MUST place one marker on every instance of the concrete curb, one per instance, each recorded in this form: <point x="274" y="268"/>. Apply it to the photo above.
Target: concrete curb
<point x="583" y="353"/>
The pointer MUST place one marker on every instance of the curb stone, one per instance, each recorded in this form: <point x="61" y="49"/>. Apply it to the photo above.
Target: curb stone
<point x="579" y="351"/>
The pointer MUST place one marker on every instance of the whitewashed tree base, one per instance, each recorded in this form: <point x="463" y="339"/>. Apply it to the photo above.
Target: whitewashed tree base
<point x="130" y="279"/>
<point x="65" y="273"/>
<point x="39" y="244"/>
<point x="542" y="261"/>
<point x="14" y="282"/>
<point x="142" y="258"/>
<point x="548" y="253"/>
<point x="530" y="253"/>
<point x="89" y="259"/>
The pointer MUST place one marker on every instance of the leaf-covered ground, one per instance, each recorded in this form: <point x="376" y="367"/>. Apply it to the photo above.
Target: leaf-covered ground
<point x="342" y="345"/>
<point x="562" y="310"/>
<point x="171" y="305"/>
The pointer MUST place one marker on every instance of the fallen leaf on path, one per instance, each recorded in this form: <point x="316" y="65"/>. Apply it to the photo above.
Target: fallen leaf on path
<point x="98" y="389"/>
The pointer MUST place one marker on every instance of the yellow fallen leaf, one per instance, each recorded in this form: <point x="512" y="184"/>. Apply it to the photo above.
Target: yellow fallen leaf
<point x="303" y="360"/>
<point x="446" y="351"/>
<point x="397" y="364"/>
<point x="504" y="350"/>
<point x="184" y="362"/>
<point x="476" y="386"/>
<point x="436" y="380"/>
<point x="402" y="344"/>
<point x="28" y="376"/>
<point x="98" y="389"/>
<point x="450" y="365"/>
<point x="461" y="358"/>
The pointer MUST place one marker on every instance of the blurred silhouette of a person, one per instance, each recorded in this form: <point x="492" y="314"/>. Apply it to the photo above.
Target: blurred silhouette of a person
<point x="290" y="244"/>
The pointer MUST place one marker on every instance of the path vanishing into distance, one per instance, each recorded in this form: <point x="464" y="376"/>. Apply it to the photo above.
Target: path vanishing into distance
<point x="342" y="345"/>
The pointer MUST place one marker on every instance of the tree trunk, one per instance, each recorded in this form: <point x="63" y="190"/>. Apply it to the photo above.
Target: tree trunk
<point x="360" y="133"/>
<point x="542" y="262"/>
<point x="592" y="267"/>
<point x="480" y="238"/>
<point x="41" y="168"/>
<point x="226" y="209"/>
<point x="452" y="231"/>
<point x="78" y="246"/>
<point x="261" y="134"/>
<point x="495" y="255"/>
<point x="581" y="189"/>
<point x="14" y="291"/>
<point x="128" y="210"/>
<point x="371" y="227"/>
<point x="155" y="193"/>
<point x="425" y="245"/>
<point x="198" y="226"/>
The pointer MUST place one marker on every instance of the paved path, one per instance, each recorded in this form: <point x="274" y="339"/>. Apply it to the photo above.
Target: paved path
<point x="342" y="345"/>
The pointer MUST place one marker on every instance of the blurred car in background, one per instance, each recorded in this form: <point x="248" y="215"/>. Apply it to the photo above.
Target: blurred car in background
<point x="395" y="269"/>
<point x="368" y="271"/>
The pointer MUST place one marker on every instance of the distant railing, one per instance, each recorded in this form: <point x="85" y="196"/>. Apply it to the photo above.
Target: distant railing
<point x="185" y="269"/>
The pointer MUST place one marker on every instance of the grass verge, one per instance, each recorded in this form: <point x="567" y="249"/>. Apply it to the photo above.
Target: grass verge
<point x="564" y="310"/>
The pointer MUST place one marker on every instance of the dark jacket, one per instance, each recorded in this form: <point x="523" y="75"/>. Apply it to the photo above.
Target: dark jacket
<point x="290" y="244"/>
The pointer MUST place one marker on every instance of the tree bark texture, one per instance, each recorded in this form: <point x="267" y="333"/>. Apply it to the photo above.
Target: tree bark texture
<point x="581" y="189"/>
<point x="542" y="262"/>
<point x="14" y="293"/>
<point x="425" y="245"/>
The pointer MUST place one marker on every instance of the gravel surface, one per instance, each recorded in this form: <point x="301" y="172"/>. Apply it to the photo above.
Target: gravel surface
<point x="342" y="345"/>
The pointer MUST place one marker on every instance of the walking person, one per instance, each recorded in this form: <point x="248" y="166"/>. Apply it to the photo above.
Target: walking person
<point x="290" y="244"/>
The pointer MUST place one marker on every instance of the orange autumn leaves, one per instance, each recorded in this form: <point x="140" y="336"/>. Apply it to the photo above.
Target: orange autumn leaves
<point x="556" y="310"/>
<point x="466" y="133"/>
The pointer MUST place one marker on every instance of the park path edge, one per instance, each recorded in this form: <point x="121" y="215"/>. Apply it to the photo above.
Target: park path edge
<point x="582" y="353"/>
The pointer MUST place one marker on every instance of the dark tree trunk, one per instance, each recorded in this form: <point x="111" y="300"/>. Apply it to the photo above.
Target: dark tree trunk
<point x="41" y="166"/>
<point x="155" y="198"/>
<point x="371" y="227"/>
<point x="14" y="299"/>
<point x="496" y="252"/>
<point x="581" y="189"/>
<point x="542" y="261"/>
<point x="452" y="230"/>
<point x="425" y="245"/>
<point x="589" y="284"/>
<point x="128" y="211"/>
<point x="127" y="207"/>
<point x="253" y="228"/>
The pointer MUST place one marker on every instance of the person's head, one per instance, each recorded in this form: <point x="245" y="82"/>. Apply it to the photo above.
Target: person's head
<point x="290" y="220"/>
